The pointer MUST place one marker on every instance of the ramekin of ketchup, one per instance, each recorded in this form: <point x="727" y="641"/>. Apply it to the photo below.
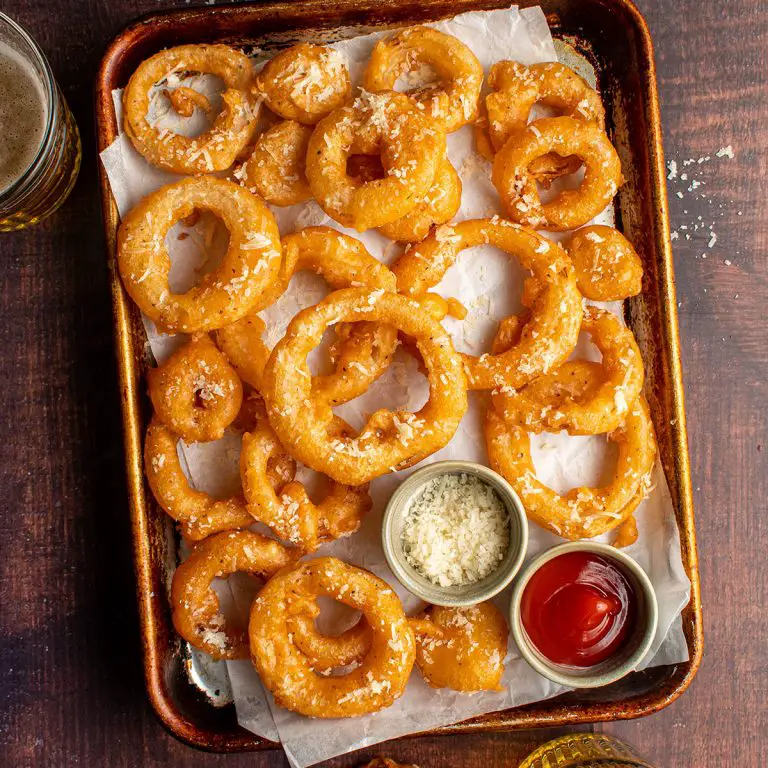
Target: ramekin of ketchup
<point x="584" y="614"/>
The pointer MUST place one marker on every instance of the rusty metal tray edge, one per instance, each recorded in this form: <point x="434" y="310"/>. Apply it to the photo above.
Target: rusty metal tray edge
<point x="153" y="613"/>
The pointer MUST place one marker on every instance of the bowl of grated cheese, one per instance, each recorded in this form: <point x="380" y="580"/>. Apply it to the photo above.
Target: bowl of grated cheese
<point x="454" y="533"/>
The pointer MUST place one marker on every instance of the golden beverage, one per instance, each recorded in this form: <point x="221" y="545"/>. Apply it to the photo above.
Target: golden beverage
<point x="584" y="750"/>
<point x="39" y="141"/>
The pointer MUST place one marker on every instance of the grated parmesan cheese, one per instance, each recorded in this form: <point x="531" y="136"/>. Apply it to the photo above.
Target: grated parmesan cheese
<point x="456" y="531"/>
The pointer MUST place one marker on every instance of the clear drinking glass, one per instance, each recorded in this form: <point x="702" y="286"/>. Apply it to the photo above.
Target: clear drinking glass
<point x="39" y="141"/>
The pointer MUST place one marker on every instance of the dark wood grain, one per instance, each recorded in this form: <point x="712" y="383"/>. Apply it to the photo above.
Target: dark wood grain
<point x="72" y="690"/>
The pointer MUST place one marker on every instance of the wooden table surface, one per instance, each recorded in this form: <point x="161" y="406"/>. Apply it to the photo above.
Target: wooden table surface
<point x="72" y="688"/>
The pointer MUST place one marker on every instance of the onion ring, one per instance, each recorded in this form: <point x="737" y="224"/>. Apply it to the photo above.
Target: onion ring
<point x="305" y="82"/>
<point x="391" y="439"/>
<point x="232" y="130"/>
<point x="386" y="124"/>
<point x="222" y="296"/>
<point x="462" y="648"/>
<point x="439" y="205"/>
<point x="292" y="515"/>
<point x="361" y="352"/>
<point x="516" y="88"/>
<point x="276" y="168"/>
<point x="565" y="136"/>
<point x="200" y="513"/>
<point x="194" y="604"/>
<point x="607" y="266"/>
<point x="285" y="671"/>
<point x="451" y="102"/>
<point x="196" y="392"/>
<point x="551" y="334"/>
<point x="328" y="652"/>
<point x="184" y="101"/>
<point x="581" y="513"/>
<point x="579" y="397"/>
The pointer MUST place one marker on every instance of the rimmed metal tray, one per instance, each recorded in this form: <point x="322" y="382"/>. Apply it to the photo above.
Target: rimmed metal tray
<point x="615" y="38"/>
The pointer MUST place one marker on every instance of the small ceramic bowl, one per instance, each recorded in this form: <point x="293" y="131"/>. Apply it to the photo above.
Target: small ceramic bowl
<point x="392" y="542"/>
<point x="627" y="658"/>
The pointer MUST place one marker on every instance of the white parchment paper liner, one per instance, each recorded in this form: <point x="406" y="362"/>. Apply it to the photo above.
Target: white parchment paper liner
<point x="489" y="286"/>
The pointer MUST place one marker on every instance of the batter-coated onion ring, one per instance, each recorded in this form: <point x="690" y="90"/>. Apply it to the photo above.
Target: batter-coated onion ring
<point x="243" y="345"/>
<point x="581" y="398"/>
<point x="280" y="470"/>
<point x="361" y="351"/>
<point x="305" y="82"/>
<point x="565" y="136"/>
<point x="584" y="512"/>
<point x="328" y="652"/>
<point x="276" y="168"/>
<point x="390" y="439"/>
<point x="292" y="515"/>
<point x="462" y="648"/>
<point x="232" y="130"/>
<point x="196" y="392"/>
<point x="376" y="683"/>
<point x="439" y="205"/>
<point x="516" y="88"/>
<point x="386" y="124"/>
<point x="452" y="101"/>
<point x="550" y="335"/>
<point x="184" y="100"/>
<point x="199" y="513"/>
<point x="194" y="604"/>
<point x="222" y="296"/>
<point x="607" y="266"/>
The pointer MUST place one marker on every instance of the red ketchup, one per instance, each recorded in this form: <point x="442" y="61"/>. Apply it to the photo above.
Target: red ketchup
<point x="578" y="609"/>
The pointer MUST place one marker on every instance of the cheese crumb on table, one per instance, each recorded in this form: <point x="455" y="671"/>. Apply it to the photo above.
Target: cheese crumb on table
<point x="456" y="530"/>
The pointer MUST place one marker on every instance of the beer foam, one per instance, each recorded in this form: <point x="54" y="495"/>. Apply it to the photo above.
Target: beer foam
<point x="22" y="115"/>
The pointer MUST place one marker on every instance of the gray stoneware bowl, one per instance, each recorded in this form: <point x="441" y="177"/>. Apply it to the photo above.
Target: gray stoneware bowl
<point x="626" y="659"/>
<point x="395" y="515"/>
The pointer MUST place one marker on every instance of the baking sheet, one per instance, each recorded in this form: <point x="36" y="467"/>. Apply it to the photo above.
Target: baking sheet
<point x="490" y="287"/>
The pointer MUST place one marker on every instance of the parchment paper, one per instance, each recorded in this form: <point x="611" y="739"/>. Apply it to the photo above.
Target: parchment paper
<point x="489" y="285"/>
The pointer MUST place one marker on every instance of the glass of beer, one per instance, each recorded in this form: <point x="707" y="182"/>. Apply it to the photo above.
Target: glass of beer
<point x="39" y="141"/>
<point x="584" y="750"/>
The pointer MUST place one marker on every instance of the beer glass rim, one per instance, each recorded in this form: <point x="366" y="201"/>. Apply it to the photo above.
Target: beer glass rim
<point x="49" y="84"/>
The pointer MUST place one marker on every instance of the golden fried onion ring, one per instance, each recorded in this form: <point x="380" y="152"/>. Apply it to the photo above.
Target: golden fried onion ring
<point x="386" y="124"/>
<point x="462" y="648"/>
<point x="452" y="101"/>
<point x="376" y="683"/>
<point x="184" y="100"/>
<point x="292" y="515"/>
<point x="328" y="652"/>
<point x="579" y="397"/>
<point x="390" y="439"/>
<point x="196" y="392"/>
<point x="516" y="184"/>
<point x="439" y="205"/>
<point x="305" y="82"/>
<point x="361" y="352"/>
<point x="550" y="335"/>
<point x="516" y="88"/>
<point x="222" y="296"/>
<point x="607" y="266"/>
<point x="232" y="130"/>
<point x="584" y="512"/>
<point x="194" y="604"/>
<point x="199" y="513"/>
<point x="276" y="168"/>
